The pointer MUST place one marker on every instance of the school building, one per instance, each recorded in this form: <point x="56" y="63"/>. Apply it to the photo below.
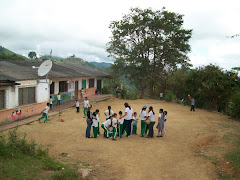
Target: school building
<point x="23" y="93"/>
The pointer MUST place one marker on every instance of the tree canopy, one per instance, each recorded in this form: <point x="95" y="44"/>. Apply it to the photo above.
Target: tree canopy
<point x="32" y="55"/>
<point x="147" y="44"/>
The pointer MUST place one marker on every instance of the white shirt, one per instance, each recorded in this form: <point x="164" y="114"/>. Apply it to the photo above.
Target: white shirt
<point x="161" y="117"/>
<point x="107" y="123"/>
<point x="95" y="122"/>
<point x="151" y="116"/>
<point x="77" y="104"/>
<point x="114" y="122"/>
<point x="46" y="109"/>
<point x="107" y="113"/>
<point x="142" y="115"/>
<point x="121" y="120"/>
<point x="50" y="100"/>
<point x="97" y="117"/>
<point x="86" y="103"/>
<point x="59" y="97"/>
<point x="165" y="118"/>
<point x="129" y="113"/>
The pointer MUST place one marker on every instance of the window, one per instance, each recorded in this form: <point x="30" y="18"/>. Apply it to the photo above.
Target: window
<point x="91" y="83"/>
<point x="2" y="99"/>
<point x="63" y="86"/>
<point x="26" y="96"/>
<point x="52" y="88"/>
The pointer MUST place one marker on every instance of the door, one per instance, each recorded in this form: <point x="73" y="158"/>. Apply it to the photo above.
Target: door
<point x="52" y="88"/>
<point x="2" y="99"/>
<point x="84" y="84"/>
<point x="76" y="89"/>
<point x="99" y="85"/>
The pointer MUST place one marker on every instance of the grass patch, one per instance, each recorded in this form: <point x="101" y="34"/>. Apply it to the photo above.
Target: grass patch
<point x="20" y="159"/>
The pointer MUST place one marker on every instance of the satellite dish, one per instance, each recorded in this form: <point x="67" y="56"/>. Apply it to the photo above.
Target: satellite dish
<point x="44" y="68"/>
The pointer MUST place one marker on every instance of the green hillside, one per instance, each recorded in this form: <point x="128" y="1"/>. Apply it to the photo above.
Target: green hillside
<point x="7" y="54"/>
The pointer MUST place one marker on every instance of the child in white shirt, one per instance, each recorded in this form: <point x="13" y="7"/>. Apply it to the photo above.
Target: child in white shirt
<point x="114" y="125"/>
<point x="106" y="125"/>
<point x="45" y="113"/>
<point x="108" y="112"/>
<point x="77" y="106"/>
<point x="51" y="102"/>
<point x="120" y="121"/>
<point x="165" y="122"/>
<point x="134" y="124"/>
<point x="59" y="99"/>
<point x="95" y="125"/>
<point x="85" y="106"/>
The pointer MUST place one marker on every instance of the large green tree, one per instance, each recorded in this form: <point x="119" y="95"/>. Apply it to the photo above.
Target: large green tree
<point x="147" y="44"/>
<point x="32" y="55"/>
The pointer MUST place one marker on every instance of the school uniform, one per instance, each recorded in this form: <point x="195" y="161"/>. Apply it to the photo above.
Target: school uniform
<point x="165" y="123"/>
<point x="59" y="99"/>
<point x="107" y="114"/>
<point x="51" y="102"/>
<point x="85" y="106"/>
<point x="105" y="127"/>
<point x="98" y="131"/>
<point x="160" y="125"/>
<point x="45" y="114"/>
<point x="95" y="127"/>
<point x="114" y="125"/>
<point x="142" y="116"/>
<point x="134" y="125"/>
<point x="82" y="91"/>
<point x="152" y="122"/>
<point x="128" y="121"/>
<point x="77" y="106"/>
<point x="120" y="121"/>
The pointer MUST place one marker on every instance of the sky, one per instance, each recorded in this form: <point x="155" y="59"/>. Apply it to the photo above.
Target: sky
<point x="82" y="27"/>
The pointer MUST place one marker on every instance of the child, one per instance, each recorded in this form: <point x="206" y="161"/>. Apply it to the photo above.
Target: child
<point x="143" y="116"/>
<point x="82" y="91"/>
<point x="134" y="125"/>
<point x="89" y="121"/>
<point x="59" y="99"/>
<point x="120" y="121"/>
<point x="51" y="102"/>
<point x="95" y="125"/>
<point x="85" y="106"/>
<point x="114" y="125"/>
<point x="160" y="125"/>
<point x="77" y="106"/>
<point x="45" y="113"/>
<point x="165" y="122"/>
<point x="108" y="112"/>
<point x="151" y="117"/>
<point x="106" y="126"/>
<point x="97" y="116"/>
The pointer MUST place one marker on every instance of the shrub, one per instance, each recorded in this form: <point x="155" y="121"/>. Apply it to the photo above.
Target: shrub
<point x="169" y="96"/>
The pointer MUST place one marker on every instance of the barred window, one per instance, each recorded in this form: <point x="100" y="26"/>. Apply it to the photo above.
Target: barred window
<point x="63" y="86"/>
<point x="91" y="83"/>
<point x="26" y="96"/>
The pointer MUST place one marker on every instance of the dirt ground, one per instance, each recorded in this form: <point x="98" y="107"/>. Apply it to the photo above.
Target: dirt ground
<point x="193" y="148"/>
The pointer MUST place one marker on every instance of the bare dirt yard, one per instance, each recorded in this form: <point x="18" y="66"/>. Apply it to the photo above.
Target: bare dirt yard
<point x="193" y="148"/>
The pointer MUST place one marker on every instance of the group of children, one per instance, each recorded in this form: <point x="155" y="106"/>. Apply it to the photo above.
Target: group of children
<point x="113" y="126"/>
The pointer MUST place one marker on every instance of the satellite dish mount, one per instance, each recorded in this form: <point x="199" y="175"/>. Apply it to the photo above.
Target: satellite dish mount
<point x="44" y="68"/>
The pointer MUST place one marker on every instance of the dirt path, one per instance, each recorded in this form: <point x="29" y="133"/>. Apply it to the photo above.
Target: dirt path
<point x="191" y="136"/>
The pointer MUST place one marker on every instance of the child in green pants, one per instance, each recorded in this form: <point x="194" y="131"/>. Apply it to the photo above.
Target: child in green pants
<point x="58" y="99"/>
<point x="97" y="116"/>
<point x="134" y="124"/>
<point x="120" y="121"/>
<point x="45" y="113"/>
<point x="114" y="125"/>
<point x="95" y="125"/>
<point x="143" y="116"/>
<point x="105" y="125"/>
<point x="85" y="106"/>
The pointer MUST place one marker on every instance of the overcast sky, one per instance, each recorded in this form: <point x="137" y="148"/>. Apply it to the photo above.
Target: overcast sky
<point x="81" y="27"/>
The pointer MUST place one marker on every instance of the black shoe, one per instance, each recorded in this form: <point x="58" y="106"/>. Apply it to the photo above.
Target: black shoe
<point x="114" y="139"/>
<point x="147" y="137"/>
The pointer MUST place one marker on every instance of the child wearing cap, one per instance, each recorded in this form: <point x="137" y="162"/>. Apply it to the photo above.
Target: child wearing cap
<point x="143" y="116"/>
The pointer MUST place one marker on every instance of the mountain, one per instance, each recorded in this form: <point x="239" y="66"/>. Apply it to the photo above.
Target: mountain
<point x="6" y="51"/>
<point x="7" y="54"/>
<point x="101" y="64"/>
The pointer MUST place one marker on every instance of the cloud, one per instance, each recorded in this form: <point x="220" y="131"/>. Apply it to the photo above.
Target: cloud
<point x="81" y="27"/>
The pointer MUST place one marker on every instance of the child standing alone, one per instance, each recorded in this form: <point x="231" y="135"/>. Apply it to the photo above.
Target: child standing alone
<point x="134" y="125"/>
<point x="77" y="106"/>
<point x="59" y="99"/>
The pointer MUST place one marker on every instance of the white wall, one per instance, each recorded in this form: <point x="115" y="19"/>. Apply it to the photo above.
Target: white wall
<point x="42" y="91"/>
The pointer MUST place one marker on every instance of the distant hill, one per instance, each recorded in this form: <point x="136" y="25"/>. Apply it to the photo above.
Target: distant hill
<point x="103" y="64"/>
<point x="6" y="51"/>
<point x="7" y="54"/>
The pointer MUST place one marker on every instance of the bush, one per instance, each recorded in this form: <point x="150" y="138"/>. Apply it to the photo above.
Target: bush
<point x="169" y="96"/>
<point x="234" y="104"/>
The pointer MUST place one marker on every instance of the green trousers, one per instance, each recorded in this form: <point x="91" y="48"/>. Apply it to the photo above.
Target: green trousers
<point x="114" y="133"/>
<point x="95" y="132"/>
<point x="84" y="111"/>
<point x="105" y="130"/>
<point x="44" y="115"/>
<point x="51" y="106"/>
<point x="143" y="124"/>
<point x="147" y="128"/>
<point x="120" y="130"/>
<point x="98" y="131"/>
<point x="134" y="131"/>
<point x="58" y="102"/>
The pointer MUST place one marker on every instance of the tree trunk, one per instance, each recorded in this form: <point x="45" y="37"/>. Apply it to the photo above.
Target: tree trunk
<point x="143" y="88"/>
